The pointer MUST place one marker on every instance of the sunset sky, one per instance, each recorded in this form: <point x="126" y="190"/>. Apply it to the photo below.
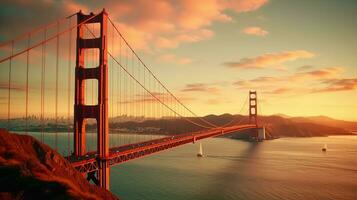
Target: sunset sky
<point x="300" y="56"/>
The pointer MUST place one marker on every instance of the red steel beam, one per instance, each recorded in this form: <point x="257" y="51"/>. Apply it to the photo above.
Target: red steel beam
<point x="89" y="163"/>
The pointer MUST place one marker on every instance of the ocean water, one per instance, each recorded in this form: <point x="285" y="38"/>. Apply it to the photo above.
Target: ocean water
<point x="285" y="168"/>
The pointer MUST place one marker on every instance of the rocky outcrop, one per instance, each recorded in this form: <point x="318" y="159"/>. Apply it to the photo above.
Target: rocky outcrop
<point x="32" y="170"/>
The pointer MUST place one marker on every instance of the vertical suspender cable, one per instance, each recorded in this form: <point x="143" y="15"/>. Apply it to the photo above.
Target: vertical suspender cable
<point x="44" y="88"/>
<point x="126" y="94"/>
<point x="56" y="95"/>
<point x="111" y="83"/>
<point x="120" y="81"/>
<point x="117" y="97"/>
<point x="42" y="83"/>
<point x="9" y="88"/>
<point x="144" y="97"/>
<point x="69" y="89"/>
<point x="27" y="81"/>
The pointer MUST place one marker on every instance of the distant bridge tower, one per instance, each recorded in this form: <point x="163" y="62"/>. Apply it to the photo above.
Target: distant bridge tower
<point x="259" y="132"/>
<point x="99" y="111"/>
<point x="253" y="112"/>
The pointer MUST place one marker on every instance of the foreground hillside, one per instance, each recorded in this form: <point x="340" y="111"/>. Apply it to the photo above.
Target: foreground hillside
<point x="32" y="170"/>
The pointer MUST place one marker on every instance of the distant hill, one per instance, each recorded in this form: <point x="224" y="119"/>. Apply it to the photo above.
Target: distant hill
<point x="323" y="120"/>
<point x="288" y="127"/>
<point x="276" y="125"/>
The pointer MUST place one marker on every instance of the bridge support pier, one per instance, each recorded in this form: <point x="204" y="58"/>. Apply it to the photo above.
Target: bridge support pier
<point x="92" y="177"/>
<point x="99" y="111"/>
<point x="103" y="174"/>
<point x="261" y="133"/>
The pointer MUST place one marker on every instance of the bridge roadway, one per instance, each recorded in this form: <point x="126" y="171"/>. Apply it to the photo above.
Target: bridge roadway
<point x="117" y="155"/>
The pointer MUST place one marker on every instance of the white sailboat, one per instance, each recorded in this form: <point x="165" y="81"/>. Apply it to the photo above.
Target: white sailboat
<point x="324" y="148"/>
<point x="200" y="152"/>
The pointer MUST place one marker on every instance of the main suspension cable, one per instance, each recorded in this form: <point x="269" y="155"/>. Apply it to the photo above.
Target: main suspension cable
<point x="152" y="94"/>
<point x="36" y="30"/>
<point x="189" y="110"/>
<point x="47" y="40"/>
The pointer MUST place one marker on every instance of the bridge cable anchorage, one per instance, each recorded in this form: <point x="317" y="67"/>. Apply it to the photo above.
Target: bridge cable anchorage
<point x="36" y="30"/>
<point x="117" y="30"/>
<point x="130" y="74"/>
<point x="46" y="40"/>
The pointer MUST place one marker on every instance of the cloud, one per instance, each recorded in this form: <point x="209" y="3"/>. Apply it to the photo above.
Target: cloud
<point x="334" y="85"/>
<point x="170" y="58"/>
<point x="201" y="87"/>
<point x="320" y="80"/>
<point x="257" y="31"/>
<point x="270" y="59"/>
<point x="189" y="37"/>
<point x="22" y="16"/>
<point x="305" y="67"/>
<point x="148" y="25"/>
<point x="13" y="86"/>
<point x="282" y="90"/>
<point x="322" y="73"/>
<point x="246" y="5"/>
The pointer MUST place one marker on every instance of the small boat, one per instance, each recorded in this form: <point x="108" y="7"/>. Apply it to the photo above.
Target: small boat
<point x="200" y="152"/>
<point x="324" y="148"/>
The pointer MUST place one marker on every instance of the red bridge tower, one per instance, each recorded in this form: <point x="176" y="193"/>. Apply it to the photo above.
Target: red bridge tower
<point x="99" y="111"/>
<point x="253" y="119"/>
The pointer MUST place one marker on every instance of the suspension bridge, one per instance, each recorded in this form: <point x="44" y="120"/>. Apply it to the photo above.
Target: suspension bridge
<point x="112" y="87"/>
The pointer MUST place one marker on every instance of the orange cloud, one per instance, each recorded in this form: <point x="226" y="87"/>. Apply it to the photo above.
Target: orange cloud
<point x="257" y="31"/>
<point x="170" y="58"/>
<point x="269" y="59"/>
<point x="321" y="80"/>
<point x="148" y="25"/>
<point x="196" y="14"/>
<point x="13" y="87"/>
<point x="304" y="67"/>
<point x="200" y="87"/>
<point x="189" y="37"/>
<point x="334" y="85"/>
<point x="281" y="90"/>
<point x="326" y="72"/>
<point x="246" y="5"/>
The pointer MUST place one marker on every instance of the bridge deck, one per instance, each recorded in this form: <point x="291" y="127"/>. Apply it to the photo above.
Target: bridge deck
<point x="121" y="154"/>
